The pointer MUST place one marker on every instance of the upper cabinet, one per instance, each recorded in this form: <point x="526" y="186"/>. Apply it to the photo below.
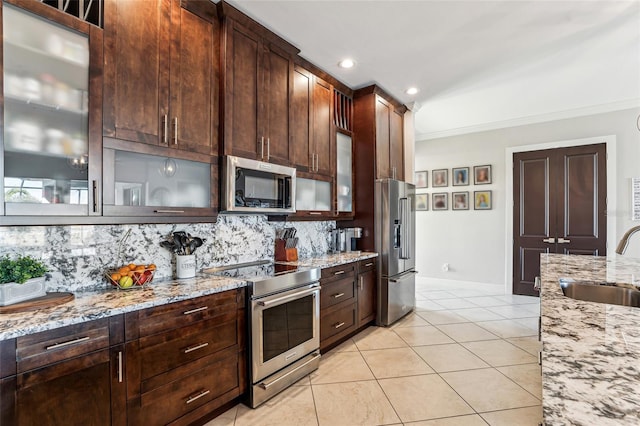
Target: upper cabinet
<point x="380" y="120"/>
<point x="161" y="73"/>
<point x="51" y="148"/>
<point x="257" y="90"/>
<point x="313" y="140"/>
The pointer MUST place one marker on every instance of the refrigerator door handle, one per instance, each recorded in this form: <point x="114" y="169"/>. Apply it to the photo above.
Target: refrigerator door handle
<point x="405" y="252"/>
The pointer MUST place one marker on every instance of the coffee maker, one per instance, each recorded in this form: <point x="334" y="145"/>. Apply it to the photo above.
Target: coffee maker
<point x="344" y="239"/>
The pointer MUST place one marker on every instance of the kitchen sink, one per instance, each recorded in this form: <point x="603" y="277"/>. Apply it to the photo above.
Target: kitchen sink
<point x="601" y="292"/>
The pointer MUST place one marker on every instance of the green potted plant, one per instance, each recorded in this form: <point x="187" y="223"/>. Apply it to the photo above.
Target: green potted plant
<point x="21" y="279"/>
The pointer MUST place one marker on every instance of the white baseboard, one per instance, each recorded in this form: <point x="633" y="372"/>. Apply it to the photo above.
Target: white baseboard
<point x="468" y="285"/>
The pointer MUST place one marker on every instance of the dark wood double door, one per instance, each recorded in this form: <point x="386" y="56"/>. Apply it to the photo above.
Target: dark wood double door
<point x="559" y="207"/>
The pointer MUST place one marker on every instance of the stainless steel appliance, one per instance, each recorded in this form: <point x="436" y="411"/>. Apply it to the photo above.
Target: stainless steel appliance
<point x="252" y="186"/>
<point x="395" y="243"/>
<point x="344" y="239"/>
<point x="284" y="324"/>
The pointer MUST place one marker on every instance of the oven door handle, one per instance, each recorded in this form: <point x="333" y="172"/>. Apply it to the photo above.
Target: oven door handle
<point x="266" y="386"/>
<point x="292" y="296"/>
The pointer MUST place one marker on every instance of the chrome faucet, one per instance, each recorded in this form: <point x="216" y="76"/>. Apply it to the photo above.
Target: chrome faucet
<point x="622" y="245"/>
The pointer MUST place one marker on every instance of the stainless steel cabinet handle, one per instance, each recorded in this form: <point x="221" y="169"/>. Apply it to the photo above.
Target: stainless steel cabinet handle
<point x="393" y="172"/>
<point x="70" y="342"/>
<point x="369" y="264"/>
<point x="315" y="213"/>
<point x="337" y="296"/>
<point x="339" y="272"/>
<point x="360" y="283"/>
<point x="198" y="396"/>
<point x="175" y="131"/>
<point x="549" y="240"/>
<point x="563" y="241"/>
<point x="165" y="127"/>
<point x="119" y="366"/>
<point x="262" y="148"/>
<point x="196" y="347"/>
<point x="536" y="283"/>
<point x="168" y="211"/>
<point x="193" y="311"/>
<point x="338" y="325"/>
<point x="268" y="149"/>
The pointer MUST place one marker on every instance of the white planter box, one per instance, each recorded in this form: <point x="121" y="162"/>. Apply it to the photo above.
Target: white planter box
<point x="11" y="293"/>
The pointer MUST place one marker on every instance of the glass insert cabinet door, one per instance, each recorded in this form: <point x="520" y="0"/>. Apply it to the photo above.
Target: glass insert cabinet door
<point x="344" y="176"/>
<point x="46" y="116"/>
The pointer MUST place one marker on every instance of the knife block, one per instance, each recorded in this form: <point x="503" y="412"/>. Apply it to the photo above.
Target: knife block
<point x="284" y="254"/>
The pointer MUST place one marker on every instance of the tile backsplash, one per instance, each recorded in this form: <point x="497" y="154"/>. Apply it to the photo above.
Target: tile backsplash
<point x="77" y="256"/>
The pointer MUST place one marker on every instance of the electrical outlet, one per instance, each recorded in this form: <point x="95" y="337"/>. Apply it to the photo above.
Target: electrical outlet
<point x="445" y="267"/>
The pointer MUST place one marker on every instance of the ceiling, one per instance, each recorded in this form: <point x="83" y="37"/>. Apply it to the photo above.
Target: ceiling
<point x="479" y="64"/>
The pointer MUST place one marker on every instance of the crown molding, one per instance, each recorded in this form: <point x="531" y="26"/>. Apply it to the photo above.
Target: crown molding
<point x="533" y="119"/>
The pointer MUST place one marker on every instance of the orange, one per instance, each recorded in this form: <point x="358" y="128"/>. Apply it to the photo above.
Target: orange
<point x="140" y="268"/>
<point x="131" y="266"/>
<point x="151" y="267"/>
<point x="116" y="277"/>
<point x="124" y="270"/>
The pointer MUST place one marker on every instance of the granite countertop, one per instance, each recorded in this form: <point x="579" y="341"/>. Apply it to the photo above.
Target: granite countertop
<point x="591" y="351"/>
<point x="89" y="306"/>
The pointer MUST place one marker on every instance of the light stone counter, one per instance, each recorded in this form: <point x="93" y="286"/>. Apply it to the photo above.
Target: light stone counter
<point x="89" y="306"/>
<point x="591" y="351"/>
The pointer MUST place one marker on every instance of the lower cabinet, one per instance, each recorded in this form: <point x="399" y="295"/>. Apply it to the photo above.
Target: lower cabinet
<point x="172" y="364"/>
<point x="185" y="359"/>
<point x="347" y="301"/>
<point x="68" y="376"/>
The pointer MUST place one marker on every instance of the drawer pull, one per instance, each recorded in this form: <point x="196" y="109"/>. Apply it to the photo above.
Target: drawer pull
<point x="338" y="325"/>
<point x="198" y="396"/>
<point x="337" y="296"/>
<point x="193" y="311"/>
<point x="195" y="348"/>
<point x="360" y="283"/>
<point x="70" y="342"/>
<point x="368" y="264"/>
<point x="339" y="272"/>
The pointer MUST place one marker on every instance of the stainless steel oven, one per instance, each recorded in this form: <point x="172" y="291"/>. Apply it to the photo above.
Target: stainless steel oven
<point x="284" y="325"/>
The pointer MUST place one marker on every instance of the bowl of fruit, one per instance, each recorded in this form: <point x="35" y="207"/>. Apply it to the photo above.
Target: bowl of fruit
<point x="131" y="276"/>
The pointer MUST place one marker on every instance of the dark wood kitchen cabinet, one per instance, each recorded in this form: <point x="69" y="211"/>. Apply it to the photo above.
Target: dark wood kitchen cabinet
<point x="338" y="304"/>
<point x="257" y="85"/>
<point x="70" y="375"/>
<point x="161" y="72"/>
<point x="367" y="291"/>
<point x="379" y="123"/>
<point x="185" y="359"/>
<point x="313" y="147"/>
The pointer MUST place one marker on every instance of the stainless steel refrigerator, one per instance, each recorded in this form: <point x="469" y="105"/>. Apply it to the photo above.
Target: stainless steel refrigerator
<point x="395" y="220"/>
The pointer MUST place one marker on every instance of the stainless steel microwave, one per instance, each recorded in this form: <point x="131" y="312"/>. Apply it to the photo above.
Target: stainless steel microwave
<point x="252" y="186"/>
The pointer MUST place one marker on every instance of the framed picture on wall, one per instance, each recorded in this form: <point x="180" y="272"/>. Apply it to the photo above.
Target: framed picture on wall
<point x="422" y="202"/>
<point x="481" y="175"/>
<point x="460" y="201"/>
<point x="440" y="178"/>
<point x="482" y="200"/>
<point x="440" y="201"/>
<point x="422" y="179"/>
<point x="460" y="176"/>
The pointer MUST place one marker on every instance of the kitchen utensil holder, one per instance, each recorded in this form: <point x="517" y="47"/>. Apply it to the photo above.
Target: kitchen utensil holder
<point x="185" y="266"/>
<point x="284" y="254"/>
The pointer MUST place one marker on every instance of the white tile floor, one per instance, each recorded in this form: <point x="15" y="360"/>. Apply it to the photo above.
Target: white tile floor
<point x="466" y="357"/>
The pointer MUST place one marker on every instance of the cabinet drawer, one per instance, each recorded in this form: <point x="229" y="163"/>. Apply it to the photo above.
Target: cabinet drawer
<point x="366" y="265"/>
<point x="163" y="352"/>
<point x="168" y="402"/>
<point x="337" y="291"/>
<point x="338" y="271"/>
<point x="338" y="321"/>
<point x="180" y="314"/>
<point x="51" y="346"/>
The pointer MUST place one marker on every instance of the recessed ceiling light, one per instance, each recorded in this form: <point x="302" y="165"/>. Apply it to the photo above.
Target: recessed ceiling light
<point x="412" y="90"/>
<point x="347" y="63"/>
